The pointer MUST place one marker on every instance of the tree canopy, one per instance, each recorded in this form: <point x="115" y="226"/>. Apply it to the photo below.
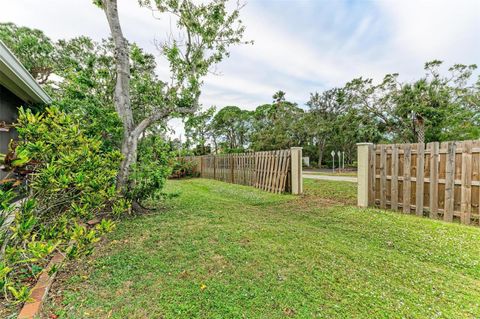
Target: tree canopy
<point x="439" y="106"/>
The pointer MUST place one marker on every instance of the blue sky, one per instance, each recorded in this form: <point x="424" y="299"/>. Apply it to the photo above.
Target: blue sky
<point x="300" y="46"/>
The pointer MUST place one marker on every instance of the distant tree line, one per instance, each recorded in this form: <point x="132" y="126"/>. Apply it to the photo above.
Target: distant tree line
<point x="437" y="107"/>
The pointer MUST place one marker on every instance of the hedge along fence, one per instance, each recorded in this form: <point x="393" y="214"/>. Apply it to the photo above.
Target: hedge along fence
<point x="438" y="180"/>
<point x="273" y="171"/>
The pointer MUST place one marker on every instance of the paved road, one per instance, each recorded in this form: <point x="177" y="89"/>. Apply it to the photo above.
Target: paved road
<point x="332" y="178"/>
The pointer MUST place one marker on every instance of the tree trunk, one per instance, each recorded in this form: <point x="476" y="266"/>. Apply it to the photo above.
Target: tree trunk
<point x="122" y="92"/>
<point x="320" y="158"/>
<point x="215" y="144"/>
<point x="420" y="128"/>
<point x="129" y="152"/>
<point x="321" y="146"/>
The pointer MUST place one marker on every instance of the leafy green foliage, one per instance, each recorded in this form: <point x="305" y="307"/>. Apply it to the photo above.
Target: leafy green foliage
<point x="183" y="167"/>
<point x="206" y="31"/>
<point x="81" y="240"/>
<point x="231" y="127"/>
<point x="21" y="295"/>
<point x="198" y="130"/>
<point x="105" y="226"/>
<point x="86" y="90"/>
<point x="72" y="172"/>
<point x="151" y="170"/>
<point x="276" y="125"/>
<point x="32" y="47"/>
<point x="70" y="180"/>
<point x="442" y="102"/>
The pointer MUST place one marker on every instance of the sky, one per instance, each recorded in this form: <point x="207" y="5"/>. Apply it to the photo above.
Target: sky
<point x="300" y="46"/>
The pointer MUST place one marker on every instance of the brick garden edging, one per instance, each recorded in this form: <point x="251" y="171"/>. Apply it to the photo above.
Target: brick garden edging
<point x="31" y="309"/>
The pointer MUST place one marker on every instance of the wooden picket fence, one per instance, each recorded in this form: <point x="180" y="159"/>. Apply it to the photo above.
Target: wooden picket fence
<point x="269" y="171"/>
<point x="441" y="180"/>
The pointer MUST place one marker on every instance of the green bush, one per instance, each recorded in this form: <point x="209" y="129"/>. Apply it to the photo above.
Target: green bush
<point x="72" y="174"/>
<point x="149" y="174"/>
<point x="184" y="167"/>
<point x="68" y="178"/>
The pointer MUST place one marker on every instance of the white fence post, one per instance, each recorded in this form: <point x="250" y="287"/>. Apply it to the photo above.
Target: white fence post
<point x="297" y="171"/>
<point x="363" y="173"/>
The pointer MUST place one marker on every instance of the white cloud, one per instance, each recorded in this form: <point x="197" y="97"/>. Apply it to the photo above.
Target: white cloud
<point x="425" y="30"/>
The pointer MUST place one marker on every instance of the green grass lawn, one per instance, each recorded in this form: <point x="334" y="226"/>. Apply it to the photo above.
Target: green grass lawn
<point x="228" y="251"/>
<point x="349" y="174"/>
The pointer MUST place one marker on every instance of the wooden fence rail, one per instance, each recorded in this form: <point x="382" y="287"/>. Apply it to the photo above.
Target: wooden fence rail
<point x="273" y="171"/>
<point x="438" y="180"/>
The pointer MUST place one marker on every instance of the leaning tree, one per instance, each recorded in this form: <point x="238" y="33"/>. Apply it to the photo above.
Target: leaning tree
<point x="206" y="30"/>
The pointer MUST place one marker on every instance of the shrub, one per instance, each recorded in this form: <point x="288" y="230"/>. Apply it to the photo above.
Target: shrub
<point x="68" y="178"/>
<point x="71" y="173"/>
<point x="151" y="170"/>
<point x="184" y="167"/>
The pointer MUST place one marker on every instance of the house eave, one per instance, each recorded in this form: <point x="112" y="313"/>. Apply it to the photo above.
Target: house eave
<point x="18" y="80"/>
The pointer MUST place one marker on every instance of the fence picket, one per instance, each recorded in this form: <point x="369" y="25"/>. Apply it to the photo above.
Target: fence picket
<point x="372" y="179"/>
<point x="394" y="180"/>
<point x="383" y="176"/>
<point x="407" y="157"/>
<point x="466" y="205"/>
<point x="449" y="182"/>
<point x="433" y="185"/>
<point x="280" y="172"/>
<point x="286" y="163"/>
<point x="260" y="169"/>
<point x="272" y="173"/>
<point x="268" y="176"/>
<point x="419" y="183"/>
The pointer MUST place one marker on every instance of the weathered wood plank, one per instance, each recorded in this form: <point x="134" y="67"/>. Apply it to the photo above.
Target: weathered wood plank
<point x="232" y="168"/>
<point x="466" y="197"/>
<point x="372" y="174"/>
<point x="383" y="177"/>
<point x="214" y="167"/>
<point x="285" y="170"/>
<point x="269" y="171"/>
<point x="272" y="172"/>
<point x="265" y="170"/>
<point x="255" y="173"/>
<point x="274" y="184"/>
<point x="260" y="170"/>
<point x="279" y="171"/>
<point x="433" y="182"/>
<point x="394" y="181"/>
<point x="449" y="182"/>
<point x="406" y="178"/>
<point x="419" y="184"/>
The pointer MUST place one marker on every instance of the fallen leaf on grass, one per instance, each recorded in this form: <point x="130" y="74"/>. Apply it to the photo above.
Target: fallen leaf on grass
<point x="288" y="312"/>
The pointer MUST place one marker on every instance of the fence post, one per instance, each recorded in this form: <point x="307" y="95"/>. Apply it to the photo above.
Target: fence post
<point x="363" y="173"/>
<point x="296" y="167"/>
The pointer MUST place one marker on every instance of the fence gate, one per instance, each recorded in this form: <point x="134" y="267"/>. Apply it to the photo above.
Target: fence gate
<point x="438" y="180"/>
